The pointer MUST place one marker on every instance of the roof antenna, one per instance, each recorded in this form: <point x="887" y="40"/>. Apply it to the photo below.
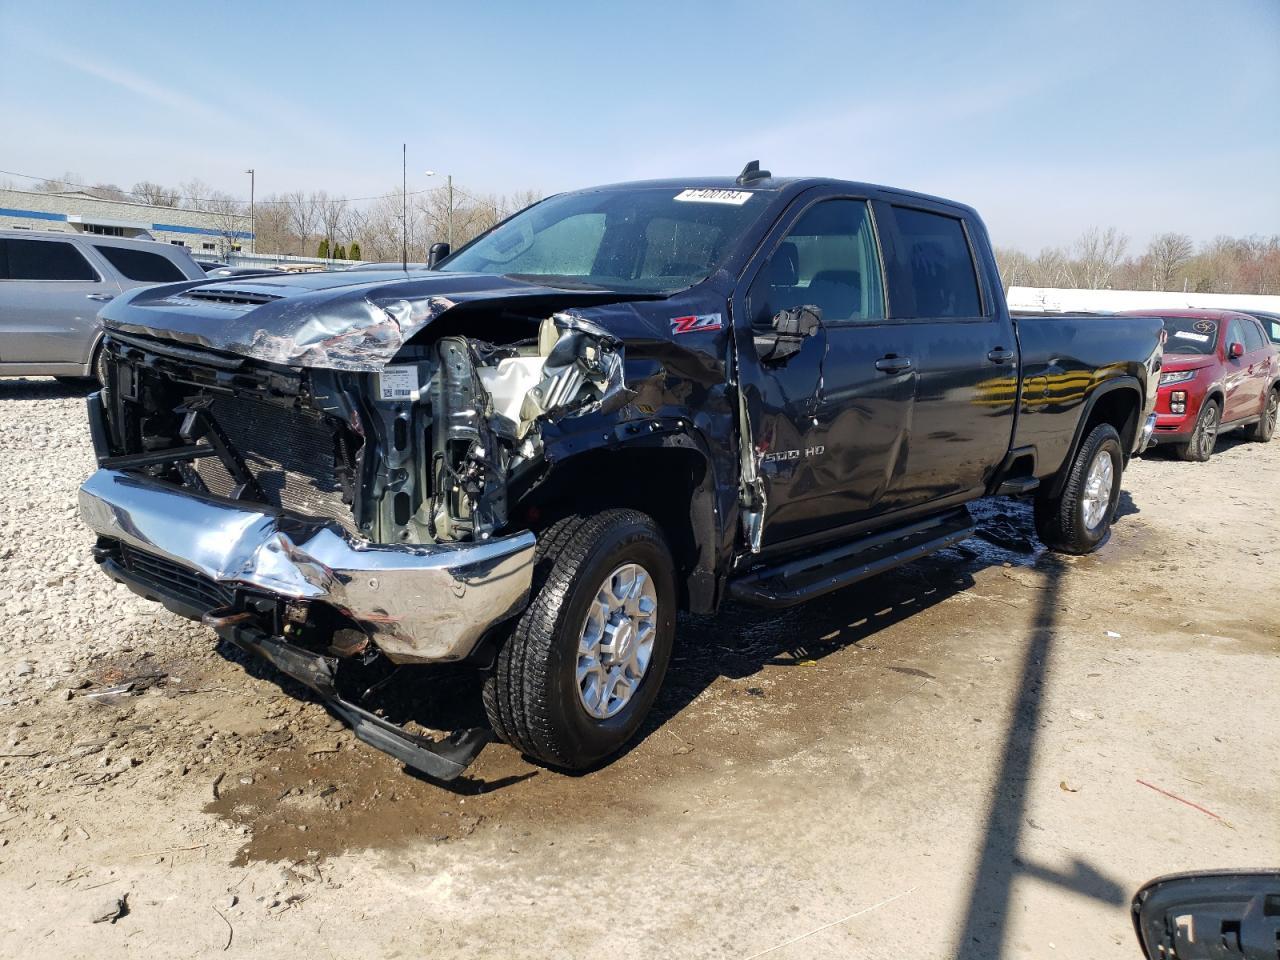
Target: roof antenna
<point x="752" y="172"/>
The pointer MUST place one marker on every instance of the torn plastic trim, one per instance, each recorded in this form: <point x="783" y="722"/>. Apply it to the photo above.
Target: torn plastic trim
<point x="751" y="485"/>
<point x="579" y="370"/>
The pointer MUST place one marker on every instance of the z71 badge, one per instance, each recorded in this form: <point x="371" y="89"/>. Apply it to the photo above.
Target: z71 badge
<point x="703" y="324"/>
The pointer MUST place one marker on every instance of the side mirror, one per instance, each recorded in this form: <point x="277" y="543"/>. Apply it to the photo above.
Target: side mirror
<point x="437" y="253"/>
<point x="1235" y="351"/>
<point x="1217" y="913"/>
<point x="790" y="328"/>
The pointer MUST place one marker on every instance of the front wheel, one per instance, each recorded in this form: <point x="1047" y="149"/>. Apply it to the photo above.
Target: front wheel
<point x="1205" y="435"/>
<point x="583" y="665"/>
<point x="1078" y="519"/>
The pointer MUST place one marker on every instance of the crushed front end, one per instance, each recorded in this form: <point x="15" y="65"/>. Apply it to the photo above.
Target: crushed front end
<point x="322" y="517"/>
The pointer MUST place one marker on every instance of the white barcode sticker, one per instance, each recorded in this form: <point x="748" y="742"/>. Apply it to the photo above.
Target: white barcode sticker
<point x="735" y="197"/>
<point x="398" y="383"/>
<point x="1187" y="335"/>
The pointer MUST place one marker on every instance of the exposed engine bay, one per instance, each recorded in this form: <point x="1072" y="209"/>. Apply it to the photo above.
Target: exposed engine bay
<point x="427" y="449"/>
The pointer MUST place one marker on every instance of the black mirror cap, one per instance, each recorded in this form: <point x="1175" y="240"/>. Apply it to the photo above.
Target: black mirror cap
<point x="437" y="253"/>
<point x="1216" y="913"/>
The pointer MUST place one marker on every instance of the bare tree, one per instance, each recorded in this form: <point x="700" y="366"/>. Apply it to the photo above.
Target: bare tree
<point x="331" y="212"/>
<point x="231" y="219"/>
<point x="153" y="193"/>
<point x="302" y="214"/>
<point x="1168" y="253"/>
<point x="1098" y="253"/>
<point x="1014" y="265"/>
<point x="195" y="193"/>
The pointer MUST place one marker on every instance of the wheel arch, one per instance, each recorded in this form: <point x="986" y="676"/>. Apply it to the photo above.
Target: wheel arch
<point x="1118" y="402"/>
<point x="671" y="478"/>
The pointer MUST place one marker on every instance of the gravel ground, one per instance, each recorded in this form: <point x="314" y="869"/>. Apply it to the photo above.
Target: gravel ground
<point x="956" y="759"/>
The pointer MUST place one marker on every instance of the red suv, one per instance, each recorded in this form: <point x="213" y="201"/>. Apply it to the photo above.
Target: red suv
<point x="1220" y="372"/>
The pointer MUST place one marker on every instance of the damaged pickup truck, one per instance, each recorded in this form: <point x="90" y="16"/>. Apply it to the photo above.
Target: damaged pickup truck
<point x="618" y="404"/>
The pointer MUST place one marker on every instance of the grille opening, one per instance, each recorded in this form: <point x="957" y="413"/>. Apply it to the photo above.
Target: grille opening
<point x="292" y="454"/>
<point x="167" y="577"/>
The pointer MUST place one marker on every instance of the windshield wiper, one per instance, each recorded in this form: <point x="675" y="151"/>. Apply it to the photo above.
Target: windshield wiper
<point x="562" y="283"/>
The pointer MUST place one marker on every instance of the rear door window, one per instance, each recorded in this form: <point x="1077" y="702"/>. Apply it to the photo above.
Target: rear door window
<point x="933" y="272"/>
<point x="43" y="260"/>
<point x="141" y="265"/>
<point x="1253" y="339"/>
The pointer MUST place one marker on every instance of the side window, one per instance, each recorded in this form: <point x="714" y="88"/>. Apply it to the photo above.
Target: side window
<point x="934" y="273"/>
<point x="829" y="260"/>
<point x="44" y="260"/>
<point x="1235" y="334"/>
<point x="1253" y="339"/>
<point x="140" y="265"/>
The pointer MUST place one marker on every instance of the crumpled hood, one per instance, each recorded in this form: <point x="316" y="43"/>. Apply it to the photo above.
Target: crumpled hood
<point x="339" y="321"/>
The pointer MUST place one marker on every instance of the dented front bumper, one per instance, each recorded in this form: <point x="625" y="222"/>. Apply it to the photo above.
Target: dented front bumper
<point x="417" y="603"/>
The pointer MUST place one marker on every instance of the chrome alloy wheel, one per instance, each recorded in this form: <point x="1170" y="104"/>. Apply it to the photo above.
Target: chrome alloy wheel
<point x="1207" y="431"/>
<point x="616" y="643"/>
<point x="1097" y="489"/>
<point x="1272" y="411"/>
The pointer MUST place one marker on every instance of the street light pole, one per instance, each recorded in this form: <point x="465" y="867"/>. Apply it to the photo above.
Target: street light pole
<point x="404" y="207"/>
<point x="253" y="228"/>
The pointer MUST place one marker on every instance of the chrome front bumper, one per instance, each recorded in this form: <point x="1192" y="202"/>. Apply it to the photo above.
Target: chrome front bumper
<point x="420" y="604"/>
<point x="1148" y="430"/>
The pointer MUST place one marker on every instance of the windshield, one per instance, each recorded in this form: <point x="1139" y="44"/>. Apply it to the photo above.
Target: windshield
<point x="648" y="239"/>
<point x="1191" y="335"/>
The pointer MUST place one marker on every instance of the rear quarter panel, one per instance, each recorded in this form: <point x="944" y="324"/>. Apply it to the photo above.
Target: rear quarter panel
<point x="1067" y="363"/>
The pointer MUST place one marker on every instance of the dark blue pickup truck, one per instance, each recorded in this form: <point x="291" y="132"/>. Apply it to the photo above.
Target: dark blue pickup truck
<point x="618" y="404"/>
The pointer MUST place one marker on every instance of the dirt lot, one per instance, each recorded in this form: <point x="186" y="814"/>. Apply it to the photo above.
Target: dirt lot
<point x="981" y="755"/>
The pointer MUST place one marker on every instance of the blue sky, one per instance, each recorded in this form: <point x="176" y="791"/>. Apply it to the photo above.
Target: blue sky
<point x="1048" y="117"/>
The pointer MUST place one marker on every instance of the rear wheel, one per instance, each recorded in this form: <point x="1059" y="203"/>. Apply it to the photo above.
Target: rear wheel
<point x="583" y="665"/>
<point x="1078" y="519"/>
<point x="1265" y="428"/>
<point x="1205" y="435"/>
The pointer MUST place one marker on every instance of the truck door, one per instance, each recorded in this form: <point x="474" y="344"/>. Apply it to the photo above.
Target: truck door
<point x="1238" y="380"/>
<point x="828" y="425"/>
<point x="1259" y="354"/>
<point x="964" y="351"/>
<point x="50" y="296"/>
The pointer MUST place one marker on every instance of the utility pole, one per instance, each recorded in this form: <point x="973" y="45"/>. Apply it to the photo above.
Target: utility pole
<point x="404" y="207"/>
<point x="253" y="229"/>
<point x="450" y="233"/>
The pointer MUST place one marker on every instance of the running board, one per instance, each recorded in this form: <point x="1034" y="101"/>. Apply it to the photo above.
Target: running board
<point x="796" y="581"/>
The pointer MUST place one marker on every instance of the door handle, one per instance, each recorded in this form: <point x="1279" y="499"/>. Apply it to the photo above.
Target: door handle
<point x="1000" y="355"/>
<point x="893" y="364"/>
<point x="100" y="297"/>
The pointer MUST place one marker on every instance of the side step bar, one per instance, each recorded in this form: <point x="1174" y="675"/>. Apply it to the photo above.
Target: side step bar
<point x="796" y="581"/>
<point x="440" y="759"/>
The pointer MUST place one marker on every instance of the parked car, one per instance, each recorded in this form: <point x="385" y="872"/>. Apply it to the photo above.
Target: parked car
<point x="1270" y="323"/>
<point x="52" y="286"/>
<point x="1220" y="373"/>
<point x="208" y="266"/>
<point x="620" y="403"/>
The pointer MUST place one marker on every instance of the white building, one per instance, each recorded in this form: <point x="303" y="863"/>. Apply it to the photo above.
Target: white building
<point x="201" y="231"/>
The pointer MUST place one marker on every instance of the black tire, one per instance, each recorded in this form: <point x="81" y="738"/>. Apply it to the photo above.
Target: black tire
<point x="1060" y="520"/>
<point x="532" y="696"/>
<point x="1205" y="435"/>
<point x="1265" y="428"/>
